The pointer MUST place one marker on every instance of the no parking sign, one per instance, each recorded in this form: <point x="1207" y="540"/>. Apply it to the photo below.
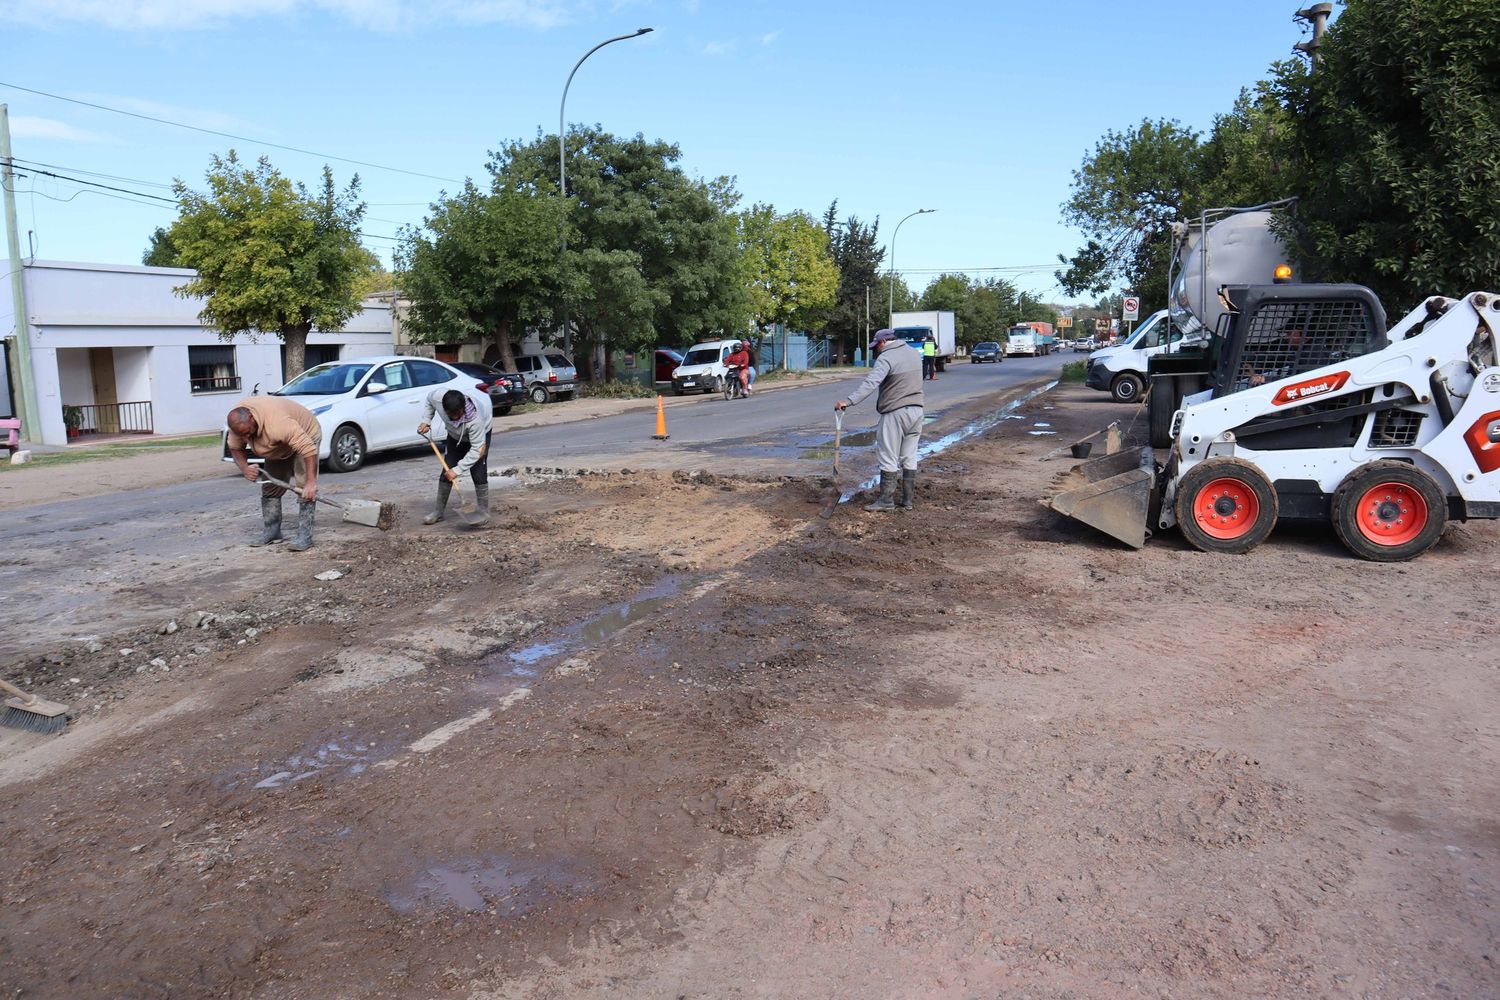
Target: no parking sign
<point x="1132" y="310"/>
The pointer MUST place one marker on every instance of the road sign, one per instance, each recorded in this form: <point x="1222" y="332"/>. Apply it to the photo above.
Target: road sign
<point x="1064" y="322"/>
<point x="1101" y="323"/>
<point x="1132" y="307"/>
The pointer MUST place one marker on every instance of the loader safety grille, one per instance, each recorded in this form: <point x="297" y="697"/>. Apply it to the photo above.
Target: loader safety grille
<point x="1287" y="338"/>
<point x="1395" y="429"/>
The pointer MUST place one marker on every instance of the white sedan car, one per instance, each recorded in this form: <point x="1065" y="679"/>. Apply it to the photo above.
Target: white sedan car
<point x="365" y="405"/>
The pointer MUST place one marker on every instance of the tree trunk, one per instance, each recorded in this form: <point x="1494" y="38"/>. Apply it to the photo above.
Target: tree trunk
<point x="294" y="336"/>
<point x="609" y="362"/>
<point x="503" y="344"/>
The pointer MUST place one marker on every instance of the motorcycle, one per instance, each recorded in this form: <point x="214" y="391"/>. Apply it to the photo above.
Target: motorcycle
<point x="731" y="383"/>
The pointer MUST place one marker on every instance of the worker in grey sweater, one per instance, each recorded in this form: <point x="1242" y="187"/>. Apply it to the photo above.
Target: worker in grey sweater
<point x="898" y="377"/>
<point x="466" y="450"/>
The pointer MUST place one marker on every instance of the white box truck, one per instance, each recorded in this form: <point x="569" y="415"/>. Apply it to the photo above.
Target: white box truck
<point x="913" y="327"/>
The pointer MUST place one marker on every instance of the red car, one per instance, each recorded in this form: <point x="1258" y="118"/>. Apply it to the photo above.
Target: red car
<point x="667" y="361"/>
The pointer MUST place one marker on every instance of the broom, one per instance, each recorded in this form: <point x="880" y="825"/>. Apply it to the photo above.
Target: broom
<point x="32" y="713"/>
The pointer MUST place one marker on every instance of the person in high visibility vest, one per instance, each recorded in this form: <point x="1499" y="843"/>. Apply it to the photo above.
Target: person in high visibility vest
<point x="929" y="358"/>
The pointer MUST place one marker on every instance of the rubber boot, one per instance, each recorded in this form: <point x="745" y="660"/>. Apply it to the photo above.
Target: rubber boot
<point x="482" y="503"/>
<point x="445" y="490"/>
<point x="305" y="511"/>
<point x="886" y="499"/>
<point x="908" y="488"/>
<point x="270" y="519"/>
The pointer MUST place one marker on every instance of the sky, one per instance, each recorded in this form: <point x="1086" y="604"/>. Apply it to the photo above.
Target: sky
<point x="980" y="110"/>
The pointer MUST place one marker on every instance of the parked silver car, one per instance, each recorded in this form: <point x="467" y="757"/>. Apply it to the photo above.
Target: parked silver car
<point x="549" y="375"/>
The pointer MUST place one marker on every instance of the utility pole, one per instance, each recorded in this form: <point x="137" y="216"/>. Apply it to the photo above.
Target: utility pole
<point x="1317" y="16"/>
<point x="867" y="326"/>
<point x="31" y="421"/>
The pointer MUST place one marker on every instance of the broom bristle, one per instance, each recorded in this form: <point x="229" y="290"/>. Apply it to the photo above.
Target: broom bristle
<point x="32" y="722"/>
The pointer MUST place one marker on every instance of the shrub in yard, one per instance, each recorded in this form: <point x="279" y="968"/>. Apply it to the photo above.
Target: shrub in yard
<point x="1074" y="371"/>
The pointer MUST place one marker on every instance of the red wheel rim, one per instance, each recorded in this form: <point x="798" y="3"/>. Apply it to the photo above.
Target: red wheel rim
<point x="1391" y="514"/>
<point x="1226" y="508"/>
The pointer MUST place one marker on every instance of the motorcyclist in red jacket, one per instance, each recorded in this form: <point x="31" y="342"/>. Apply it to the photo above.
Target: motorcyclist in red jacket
<point x="739" y="356"/>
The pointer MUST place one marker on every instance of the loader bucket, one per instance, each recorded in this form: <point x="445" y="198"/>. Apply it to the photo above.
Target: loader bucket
<point x="1112" y="494"/>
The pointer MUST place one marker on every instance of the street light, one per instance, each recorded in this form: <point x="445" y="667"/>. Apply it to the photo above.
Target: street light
<point x="890" y="311"/>
<point x="562" y="153"/>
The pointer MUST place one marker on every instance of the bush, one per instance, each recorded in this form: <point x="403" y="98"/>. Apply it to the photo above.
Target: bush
<point x="1074" y="371"/>
<point x="615" y="390"/>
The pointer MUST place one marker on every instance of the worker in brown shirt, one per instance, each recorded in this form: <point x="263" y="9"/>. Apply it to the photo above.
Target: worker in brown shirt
<point x="286" y="435"/>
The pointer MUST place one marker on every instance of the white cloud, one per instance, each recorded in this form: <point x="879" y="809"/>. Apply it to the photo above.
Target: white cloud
<point x="769" y="37"/>
<point x="718" y="48"/>
<point x="376" y="15"/>
<point x="23" y="127"/>
<point x="195" y="117"/>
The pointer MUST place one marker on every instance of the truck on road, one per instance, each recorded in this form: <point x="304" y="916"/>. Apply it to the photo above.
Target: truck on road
<point x="1029" y="340"/>
<point x="913" y="327"/>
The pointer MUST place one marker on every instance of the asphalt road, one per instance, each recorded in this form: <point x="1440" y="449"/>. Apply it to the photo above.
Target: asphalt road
<point x="79" y="567"/>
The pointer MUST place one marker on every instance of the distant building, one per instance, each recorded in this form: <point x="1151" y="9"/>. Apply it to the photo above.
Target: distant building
<point x="114" y="351"/>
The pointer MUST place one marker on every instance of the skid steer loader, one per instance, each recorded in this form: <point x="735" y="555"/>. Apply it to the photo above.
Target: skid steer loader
<point x="1304" y="405"/>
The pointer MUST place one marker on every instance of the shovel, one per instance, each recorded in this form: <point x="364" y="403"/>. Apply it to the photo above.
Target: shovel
<point x="831" y="499"/>
<point x="473" y="518"/>
<point x="370" y="513"/>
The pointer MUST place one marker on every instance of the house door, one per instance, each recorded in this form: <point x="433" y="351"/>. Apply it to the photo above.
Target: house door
<point x="102" y="368"/>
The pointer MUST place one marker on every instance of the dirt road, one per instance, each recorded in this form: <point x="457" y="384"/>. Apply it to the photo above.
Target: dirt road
<point x="661" y="735"/>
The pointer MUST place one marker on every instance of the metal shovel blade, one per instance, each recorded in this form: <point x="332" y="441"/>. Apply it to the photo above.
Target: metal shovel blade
<point x="366" y="512"/>
<point x="1112" y="494"/>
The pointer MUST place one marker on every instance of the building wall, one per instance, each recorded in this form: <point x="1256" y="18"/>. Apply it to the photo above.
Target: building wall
<point x="134" y="312"/>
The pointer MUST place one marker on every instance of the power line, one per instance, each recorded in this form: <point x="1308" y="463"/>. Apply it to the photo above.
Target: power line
<point x="229" y="135"/>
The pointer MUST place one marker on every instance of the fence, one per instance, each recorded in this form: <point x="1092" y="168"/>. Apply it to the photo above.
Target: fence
<point x="802" y="352"/>
<point x="216" y="383"/>
<point x="108" y="418"/>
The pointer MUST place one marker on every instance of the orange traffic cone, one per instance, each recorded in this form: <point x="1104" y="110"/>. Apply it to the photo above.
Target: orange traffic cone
<point x="661" y="421"/>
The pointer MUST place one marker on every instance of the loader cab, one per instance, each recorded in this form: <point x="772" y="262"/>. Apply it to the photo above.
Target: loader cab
<point x="1272" y="332"/>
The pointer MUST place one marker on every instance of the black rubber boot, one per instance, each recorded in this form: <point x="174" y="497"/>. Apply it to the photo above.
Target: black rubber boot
<point x="270" y="519"/>
<point x="445" y="490"/>
<point x="482" y="503"/>
<point x="908" y="488"/>
<point x="886" y="500"/>
<point x="303" y="541"/>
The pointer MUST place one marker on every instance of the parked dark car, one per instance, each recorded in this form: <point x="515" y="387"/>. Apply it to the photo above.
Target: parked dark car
<point x="987" y="351"/>
<point x="506" y="389"/>
<point x="667" y="361"/>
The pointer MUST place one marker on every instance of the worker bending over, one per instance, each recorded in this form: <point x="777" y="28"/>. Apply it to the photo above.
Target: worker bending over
<point x="467" y="448"/>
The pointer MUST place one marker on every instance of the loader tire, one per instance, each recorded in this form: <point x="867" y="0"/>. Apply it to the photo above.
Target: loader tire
<point x="1226" y="505"/>
<point x="1161" y="405"/>
<point x="1389" y="511"/>
<point x="1126" y="388"/>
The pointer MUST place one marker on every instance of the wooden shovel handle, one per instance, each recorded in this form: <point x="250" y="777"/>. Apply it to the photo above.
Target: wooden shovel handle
<point x="14" y="691"/>
<point x="439" y="454"/>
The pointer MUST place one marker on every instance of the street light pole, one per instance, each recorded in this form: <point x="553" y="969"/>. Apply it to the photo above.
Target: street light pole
<point x="890" y="284"/>
<point x="562" y="153"/>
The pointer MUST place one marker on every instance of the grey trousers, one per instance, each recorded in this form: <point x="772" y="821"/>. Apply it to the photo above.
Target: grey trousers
<point x="896" y="438"/>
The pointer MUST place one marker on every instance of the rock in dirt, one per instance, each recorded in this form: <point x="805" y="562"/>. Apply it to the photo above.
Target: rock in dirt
<point x="575" y="665"/>
<point x="169" y="628"/>
<point x="200" y="619"/>
<point x="158" y="663"/>
<point x="329" y="574"/>
<point x="126" y="651"/>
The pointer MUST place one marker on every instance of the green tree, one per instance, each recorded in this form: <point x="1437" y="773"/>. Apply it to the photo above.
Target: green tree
<point x="857" y="253"/>
<point x="652" y="255"/>
<point x="1124" y="196"/>
<point x="793" y="279"/>
<point x="271" y="256"/>
<point x="987" y="313"/>
<point x="893" y="292"/>
<point x="161" y="251"/>
<point x="1398" y="132"/>
<point x="483" y="266"/>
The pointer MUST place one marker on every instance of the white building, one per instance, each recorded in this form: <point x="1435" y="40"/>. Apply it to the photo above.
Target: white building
<point x="113" y="350"/>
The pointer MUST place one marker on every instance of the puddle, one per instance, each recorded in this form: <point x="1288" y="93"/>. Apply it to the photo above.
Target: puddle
<point x="1040" y="434"/>
<point x="504" y="886"/>
<point x="968" y="430"/>
<point x="1041" y="423"/>
<point x="592" y="632"/>
<point x="824" y="452"/>
<point x="350" y="757"/>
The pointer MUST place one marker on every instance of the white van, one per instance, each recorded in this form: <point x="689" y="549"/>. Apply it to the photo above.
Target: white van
<point x="702" y="368"/>
<point x="1121" y="370"/>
